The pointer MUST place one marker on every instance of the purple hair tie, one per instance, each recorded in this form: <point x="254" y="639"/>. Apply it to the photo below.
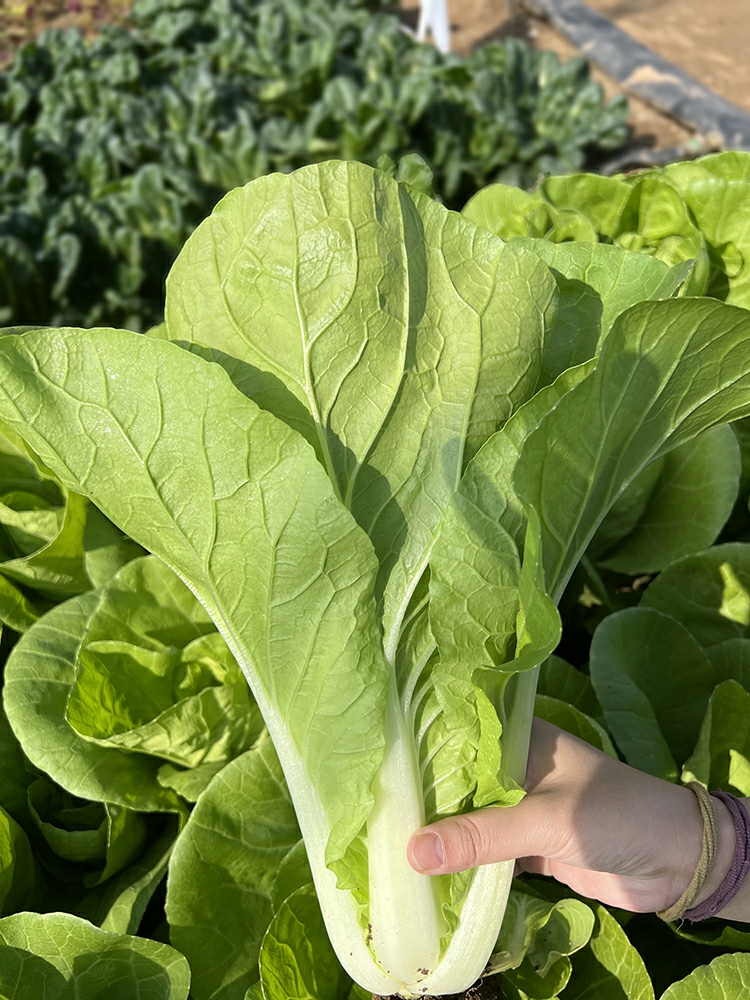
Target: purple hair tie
<point x="740" y="863"/>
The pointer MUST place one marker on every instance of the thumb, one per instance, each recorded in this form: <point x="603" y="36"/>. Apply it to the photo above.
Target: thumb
<point x="500" y="833"/>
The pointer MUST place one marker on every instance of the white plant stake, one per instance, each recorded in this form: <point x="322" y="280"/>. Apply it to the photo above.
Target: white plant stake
<point x="433" y="16"/>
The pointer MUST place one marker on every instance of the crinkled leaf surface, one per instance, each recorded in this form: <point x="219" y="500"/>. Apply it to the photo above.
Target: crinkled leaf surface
<point x="56" y="955"/>
<point x="726" y="978"/>
<point x="223" y="871"/>
<point x="303" y="559"/>
<point x="297" y="961"/>
<point x="153" y="676"/>
<point x="253" y="524"/>
<point x="386" y="329"/>
<point x="38" y="677"/>
<point x="716" y="191"/>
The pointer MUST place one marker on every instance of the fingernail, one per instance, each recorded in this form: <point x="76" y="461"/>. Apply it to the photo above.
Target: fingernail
<point x="427" y="851"/>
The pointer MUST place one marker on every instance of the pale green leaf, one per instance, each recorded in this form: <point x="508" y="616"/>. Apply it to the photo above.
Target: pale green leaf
<point x="609" y="968"/>
<point x="654" y="363"/>
<point x="297" y="961"/>
<point x="726" y="978"/>
<point x="38" y="676"/>
<point x="61" y="957"/>
<point x="299" y="587"/>
<point x="395" y="335"/>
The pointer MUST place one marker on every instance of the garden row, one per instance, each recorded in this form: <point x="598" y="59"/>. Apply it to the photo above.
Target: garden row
<point x="408" y="441"/>
<point x="112" y="151"/>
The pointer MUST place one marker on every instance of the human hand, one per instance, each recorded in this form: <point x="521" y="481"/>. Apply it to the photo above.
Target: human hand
<point x="604" y="829"/>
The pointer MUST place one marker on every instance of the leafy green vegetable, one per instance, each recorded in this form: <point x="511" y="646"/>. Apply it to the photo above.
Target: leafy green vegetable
<point x="695" y="211"/>
<point x="727" y="977"/>
<point x="720" y="758"/>
<point x="686" y="508"/>
<point x="379" y="514"/>
<point x="609" y="968"/>
<point x="297" y="961"/>
<point x="653" y="681"/>
<point x="58" y="955"/>
<point x="17" y="869"/>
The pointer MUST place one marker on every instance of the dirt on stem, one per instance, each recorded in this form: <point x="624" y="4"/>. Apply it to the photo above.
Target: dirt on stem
<point x="483" y="989"/>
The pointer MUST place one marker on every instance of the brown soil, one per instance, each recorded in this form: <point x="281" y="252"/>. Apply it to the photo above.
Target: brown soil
<point x="709" y="40"/>
<point x="22" y="20"/>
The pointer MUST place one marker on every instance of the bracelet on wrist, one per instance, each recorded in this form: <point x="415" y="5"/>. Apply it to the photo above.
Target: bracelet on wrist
<point x="732" y="882"/>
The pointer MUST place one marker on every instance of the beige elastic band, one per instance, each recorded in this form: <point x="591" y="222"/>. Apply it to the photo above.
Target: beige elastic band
<point x="707" y="858"/>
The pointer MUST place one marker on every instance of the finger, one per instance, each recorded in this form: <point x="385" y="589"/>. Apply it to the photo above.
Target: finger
<point x="484" y="837"/>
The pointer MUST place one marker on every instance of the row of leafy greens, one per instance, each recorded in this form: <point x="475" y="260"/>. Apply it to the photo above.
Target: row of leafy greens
<point x="697" y="211"/>
<point x="370" y="451"/>
<point x="112" y="150"/>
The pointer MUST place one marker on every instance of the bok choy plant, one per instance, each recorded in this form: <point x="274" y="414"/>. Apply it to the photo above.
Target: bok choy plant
<point x="338" y="442"/>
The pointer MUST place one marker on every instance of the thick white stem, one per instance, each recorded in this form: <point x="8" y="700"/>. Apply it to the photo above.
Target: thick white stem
<point x="404" y="909"/>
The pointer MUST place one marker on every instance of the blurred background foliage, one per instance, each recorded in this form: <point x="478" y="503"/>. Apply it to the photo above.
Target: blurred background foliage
<point x="113" y="148"/>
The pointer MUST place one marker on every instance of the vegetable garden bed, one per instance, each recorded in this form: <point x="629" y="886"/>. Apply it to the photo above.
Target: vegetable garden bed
<point x="392" y="468"/>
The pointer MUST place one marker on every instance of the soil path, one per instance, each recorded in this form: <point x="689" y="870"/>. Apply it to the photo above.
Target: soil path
<point x="711" y="41"/>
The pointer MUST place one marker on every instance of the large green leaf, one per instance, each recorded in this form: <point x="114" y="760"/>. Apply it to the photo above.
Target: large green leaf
<point x="726" y="978"/>
<point x="682" y="366"/>
<point x="223" y="872"/>
<point x="595" y="283"/>
<point x="294" y="600"/>
<point x="61" y="957"/>
<point x="653" y="682"/>
<point x="609" y="967"/>
<point x="395" y="335"/>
